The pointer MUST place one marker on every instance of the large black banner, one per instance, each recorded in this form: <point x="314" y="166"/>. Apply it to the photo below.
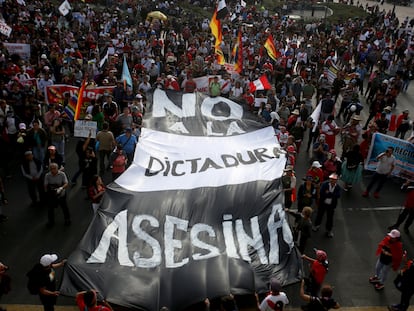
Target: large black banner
<point x="198" y="214"/>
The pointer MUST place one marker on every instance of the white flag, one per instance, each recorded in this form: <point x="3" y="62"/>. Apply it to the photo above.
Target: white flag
<point x="243" y="3"/>
<point x="64" y="8"/>
<point x="21" y="2"/>
<point x="104" y="59"/>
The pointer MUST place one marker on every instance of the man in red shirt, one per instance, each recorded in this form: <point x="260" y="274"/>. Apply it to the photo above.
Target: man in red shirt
<point x="318" y="271"/>
<point x="88" y="300"/>
<point x="403" y="124"/>
<point x="190" y="86"/>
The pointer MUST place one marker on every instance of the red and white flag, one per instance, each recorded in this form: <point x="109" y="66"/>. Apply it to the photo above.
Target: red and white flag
<point x="260" y="84"/>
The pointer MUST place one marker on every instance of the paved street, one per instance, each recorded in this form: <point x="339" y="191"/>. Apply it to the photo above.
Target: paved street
<point x="359" y="225"/>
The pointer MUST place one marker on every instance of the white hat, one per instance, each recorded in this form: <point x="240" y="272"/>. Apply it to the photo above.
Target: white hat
<point x="48" y="259"/>
<point x="22" y="126"/>
<point x="316" y="164"/>
<point x="138" y="96"/>
<point x="333" y="176"/>
<point x="394" y="234"/>
<point x="43" y="56"/>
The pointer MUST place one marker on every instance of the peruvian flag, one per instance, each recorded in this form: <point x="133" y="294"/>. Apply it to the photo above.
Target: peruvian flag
<point x="260" y="84"/>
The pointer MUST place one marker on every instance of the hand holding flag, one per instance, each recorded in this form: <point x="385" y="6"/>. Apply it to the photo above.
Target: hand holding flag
<point x="260" y="84"/>
<point x="271" y="49"/>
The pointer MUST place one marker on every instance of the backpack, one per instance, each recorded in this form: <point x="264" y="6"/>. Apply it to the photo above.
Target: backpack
<point x="32" y="282"/>
<point x="315" y="305"/>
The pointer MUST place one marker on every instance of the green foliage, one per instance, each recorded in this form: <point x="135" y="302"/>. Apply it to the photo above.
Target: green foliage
<point x="342" y="12"/>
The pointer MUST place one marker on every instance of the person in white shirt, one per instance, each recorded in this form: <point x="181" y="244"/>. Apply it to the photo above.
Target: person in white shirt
<point x="43" y="82"/>
<point x="276" y="299"/>
<point x="385" y="166"/>
<point x="236" y="91"/>
<point x="226" y="85"/>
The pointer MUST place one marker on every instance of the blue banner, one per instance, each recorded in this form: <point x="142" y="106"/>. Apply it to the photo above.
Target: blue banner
<point x="403" y="152"/>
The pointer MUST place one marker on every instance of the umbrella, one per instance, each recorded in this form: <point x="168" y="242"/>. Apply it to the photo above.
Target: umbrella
<point x="157" y="14"/>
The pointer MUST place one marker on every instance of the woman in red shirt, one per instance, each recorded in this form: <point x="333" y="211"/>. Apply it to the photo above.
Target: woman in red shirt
<point x="96" y="191"/>
<point x="119" y="163"/>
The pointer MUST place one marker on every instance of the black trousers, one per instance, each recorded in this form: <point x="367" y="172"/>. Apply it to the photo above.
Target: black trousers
<point x="48" y="302"/>
<point x="329" y="210"/>
<point x="35" y="189"/>
<point x="377" y="178"/>
<point x="403" y="215"/>
<point x="405" y="299"/>
<point x="55" y="202"/>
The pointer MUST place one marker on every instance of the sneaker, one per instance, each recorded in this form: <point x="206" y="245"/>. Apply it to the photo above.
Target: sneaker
<point x="376" y="195"/>
<point x="3" y="218"/>
<point x="373" y="279"/>
<point x="315" y="228"/>
<point x="394" y="307"/>
<point x="329" y="234"/>
<point x="379" y="286"/>
<point x="365" y="194"/>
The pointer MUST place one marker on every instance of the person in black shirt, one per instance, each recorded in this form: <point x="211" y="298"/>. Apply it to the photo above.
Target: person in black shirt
<point x="327" y="107"/>
<point x="406" y="287"/>
<point x="352" y="167"/>
<point x="383" y="123"/>
<point x="303" y="227"/>
<point x="42" y="277"/>
<point x="86" y="160"/>
<point x="322" y="303"/>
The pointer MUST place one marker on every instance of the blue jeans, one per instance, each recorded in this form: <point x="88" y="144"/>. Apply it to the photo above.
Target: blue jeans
<point x="381" y="271"/>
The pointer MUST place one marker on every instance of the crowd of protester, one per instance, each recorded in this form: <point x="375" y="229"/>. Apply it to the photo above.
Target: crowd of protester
<point x="373" y="57"/>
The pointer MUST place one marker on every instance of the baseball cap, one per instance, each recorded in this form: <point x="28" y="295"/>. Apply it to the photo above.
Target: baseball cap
<point x="288" y="168"/>
<point x="316" y="164"/>
<point x="128" y="129"/>
<point x="48" y="259"/>
<point x="333" y="176"/>
<point x="22" y="126"/>
<point x="28" y="152"/>
<point x="394" y="233"/>
<point x="51" y="147"/>
<point x="321" y="255"/>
